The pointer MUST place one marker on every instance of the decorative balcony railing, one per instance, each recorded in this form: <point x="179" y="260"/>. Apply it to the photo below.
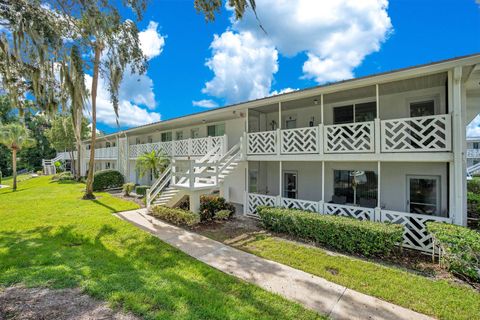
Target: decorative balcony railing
<point x="302" y="140"/>
<point x="350" y="137"/>
<point x="473" y="153"/>
<point x="104" y="153"/>
<point x="419" y="134"/>
<point x="262" y="142"/>
<point x="432" y="133"/>
<point x="181" y="148"/>
<point x="415" y="234"/>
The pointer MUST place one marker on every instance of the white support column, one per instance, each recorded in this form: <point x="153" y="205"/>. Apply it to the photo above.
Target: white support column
<point x="280" y="178"/>
<point x="279" y="115"/>
<point x="377" y="121"/>
<point x="320" y="127"/>
<point x="378" y="209"/>
<point x="246" y="121"/>
<point x="322" y="119"/>
<point x="322" y="202"/>
<point x="459" y="137"/>
<point x="247" y="189"/>
<point x="451" y="165"/>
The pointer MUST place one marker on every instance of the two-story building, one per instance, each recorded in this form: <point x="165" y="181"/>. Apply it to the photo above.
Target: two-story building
<point x="386" y="147"/>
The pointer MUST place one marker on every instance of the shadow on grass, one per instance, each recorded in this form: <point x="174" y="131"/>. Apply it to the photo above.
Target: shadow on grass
<point x="133" y="271"/>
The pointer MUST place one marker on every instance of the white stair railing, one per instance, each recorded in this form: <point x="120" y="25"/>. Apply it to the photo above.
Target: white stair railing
<point x="158" y="185"/>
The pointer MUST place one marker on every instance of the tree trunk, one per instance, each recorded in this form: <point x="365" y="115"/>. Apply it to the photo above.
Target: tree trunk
<point x="96" y="64"/>
<point x="78" y="169"/>
<point x="72" y="163"/>
<point x="14" y="168"/>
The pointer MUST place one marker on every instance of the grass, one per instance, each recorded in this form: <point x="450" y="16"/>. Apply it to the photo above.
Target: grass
<point x="49" y="237"/>
<point x="438" y="298"/>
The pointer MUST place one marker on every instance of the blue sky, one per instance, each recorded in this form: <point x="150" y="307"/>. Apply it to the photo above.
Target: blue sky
<point x="308" y="48"/>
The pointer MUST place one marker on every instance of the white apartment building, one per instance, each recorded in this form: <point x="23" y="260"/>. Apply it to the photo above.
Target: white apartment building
<point x="386" y="147"/>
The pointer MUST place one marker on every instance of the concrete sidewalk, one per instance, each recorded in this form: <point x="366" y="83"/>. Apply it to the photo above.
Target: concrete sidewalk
<point x="313" y="292"/>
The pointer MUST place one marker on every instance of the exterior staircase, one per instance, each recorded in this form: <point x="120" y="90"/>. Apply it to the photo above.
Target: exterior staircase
<point x="204" y="175"/>
<point x="49" y="165"/>
<point x="472" y="170"/>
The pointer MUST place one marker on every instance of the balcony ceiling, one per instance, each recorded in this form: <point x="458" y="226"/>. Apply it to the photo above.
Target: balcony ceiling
<point x="429" y="81"/>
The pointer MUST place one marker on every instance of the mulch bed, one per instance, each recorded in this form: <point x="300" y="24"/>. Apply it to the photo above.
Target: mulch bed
<point x="20" y="303"/>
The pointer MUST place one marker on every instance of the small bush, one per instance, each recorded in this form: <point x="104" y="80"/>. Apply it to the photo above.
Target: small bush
<point x="473" y="185"/>
<point x="107" y="179"/>
<point x="128" y="188"/>
<point x="222" y="215"/>
<point x="141" y="190"/>
<point x="346" y="234"/>
<point x="460" y="248"/>
<point x="210" y="204"/>
<point x="176" y="216"/>
<point x="64" y="176"/>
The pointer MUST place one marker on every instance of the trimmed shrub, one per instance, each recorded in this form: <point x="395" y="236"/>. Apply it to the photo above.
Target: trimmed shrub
<point x="127" y="188"/>
<point x="222" y="215"/>
<point x="64" y="176"/>
<point x="107" y="179"/>
<point x="473" y="186"/>
<point x="141" y="190"/>
<point x="460" y="248"/>
<point x="176" y="216"/>
<point x="211" y="204"/>
<point x="346" y="234"/>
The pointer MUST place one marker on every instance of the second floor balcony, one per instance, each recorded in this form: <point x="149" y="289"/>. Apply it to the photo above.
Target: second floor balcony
<point x="415" y="134"/>
<point x="182" y="148"/>
<point x="108" y="153"/>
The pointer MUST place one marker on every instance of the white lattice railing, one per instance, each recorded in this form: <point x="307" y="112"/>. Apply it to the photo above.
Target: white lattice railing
<point x="302" y="140"/>
<point x="473" y="153"/>
<point x="261" y="142"/>
<point x="415" y="233"/>
<point x="181" y="148"/>
<point x="432" y="133"/>
<point x="104" y="153"/>
<point x="299" y="204"/>
<point x="356" y="212"/>
<point x="255" y="200"/>
<point x="350" y="137"/>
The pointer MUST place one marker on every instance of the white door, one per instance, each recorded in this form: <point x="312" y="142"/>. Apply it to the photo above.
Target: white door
<point x="290" y="182"/>
<point x="423" y="195"/>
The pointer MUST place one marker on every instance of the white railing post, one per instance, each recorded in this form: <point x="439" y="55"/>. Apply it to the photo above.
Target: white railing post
<point x="320" y="206"/>
<point x="225" y="144"/>
<point x="320" y="138"/>
<point x="377" y="136"/>
<point x="192" y="174"/>
<point x="278" y="141"/>
<point x="189" y="148"/>
<point x="148" y="198"/>
<point x="174" y="170"/>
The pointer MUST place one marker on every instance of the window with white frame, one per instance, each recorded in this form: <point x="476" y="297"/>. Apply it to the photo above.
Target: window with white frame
<point x="166" y="136"/>
<point x="179" y="135"/>
<point x="216" y="130"/>
<point x="422" y="108"/>
<point x="355" y="187"/>
<point x="358" y="112"/>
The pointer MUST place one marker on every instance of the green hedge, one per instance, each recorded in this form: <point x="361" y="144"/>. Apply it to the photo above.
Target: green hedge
<point x="346" y="234"/>
<point x="175" y="216"/>
<point x="473" y="185"/>
<point x="460" y="246"/>
<point x="141" y="190"/>
<point x="107" y="179"/>
<point x="211" y="204"/>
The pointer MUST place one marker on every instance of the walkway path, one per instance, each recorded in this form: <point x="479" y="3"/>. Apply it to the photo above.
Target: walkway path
<point x="313" y="292"/>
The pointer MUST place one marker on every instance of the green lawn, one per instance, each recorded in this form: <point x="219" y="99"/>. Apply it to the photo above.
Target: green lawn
<point x="49" y="237"/>
<point x="438" y="298"/>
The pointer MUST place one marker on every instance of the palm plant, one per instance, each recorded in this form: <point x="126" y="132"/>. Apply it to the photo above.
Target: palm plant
<point x="15" y="136"/>
<point x="154" y="161"/>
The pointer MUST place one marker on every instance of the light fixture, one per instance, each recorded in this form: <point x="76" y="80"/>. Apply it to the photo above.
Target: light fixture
<point x="315" y="101"/>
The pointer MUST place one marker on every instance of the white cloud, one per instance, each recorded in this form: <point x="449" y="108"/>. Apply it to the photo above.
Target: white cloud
<point x="130" y="114"/>
<point x="151" y="41"/>
<point x="473" y="129"/>
<point x="136" y="91"/>
<point x="282" y="91"/>
<point x="243" y="66"/>
<point x="205" y="103"/>
<point x="335" y="37"/>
